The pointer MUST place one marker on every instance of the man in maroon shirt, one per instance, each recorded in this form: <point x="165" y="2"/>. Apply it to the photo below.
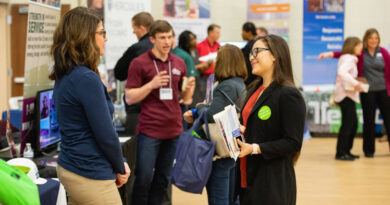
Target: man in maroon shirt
<point x="155" y="79"/>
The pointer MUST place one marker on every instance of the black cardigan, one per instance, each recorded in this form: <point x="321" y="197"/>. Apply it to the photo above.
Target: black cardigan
<point x="271" y="175"/>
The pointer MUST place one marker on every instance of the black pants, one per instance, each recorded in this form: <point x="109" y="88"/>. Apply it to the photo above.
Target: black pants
<point x="348" y="126"/>
<point x="369" y="101"/>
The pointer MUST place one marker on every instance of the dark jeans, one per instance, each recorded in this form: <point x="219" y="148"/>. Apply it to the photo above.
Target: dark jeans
<point x="348" y="126"/>
<point x="153" y="169"/>
<point x="220" y="186"/>
<point x="369" y="101"/>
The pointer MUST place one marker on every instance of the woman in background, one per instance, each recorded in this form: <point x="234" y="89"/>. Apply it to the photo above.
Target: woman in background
<point x="374" y="65"/>
<point x="230" y="72"/>
<point x="273" y="121"/>
<point x="187" y="42"/>
<point x="90" y="164"/>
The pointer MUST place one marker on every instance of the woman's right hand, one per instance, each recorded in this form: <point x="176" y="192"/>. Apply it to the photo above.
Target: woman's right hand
<point x="188" y="117"/>
<point x="325" y="55"/>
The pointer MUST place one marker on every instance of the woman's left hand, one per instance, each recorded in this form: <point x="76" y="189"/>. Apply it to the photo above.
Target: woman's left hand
<point x="246" y="148"/>
<point x="122" y="178"/>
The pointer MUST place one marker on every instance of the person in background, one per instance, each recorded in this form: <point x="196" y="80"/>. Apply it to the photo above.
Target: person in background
<point x="273" y="119"/>
<point x="90" y="164"/>
<point x="191" y="73"/>
<point x="187" y="42"/>
<point x="140" y="23"/>
<point x="261" y="31"/>
<point x="155" y="79"/>
<point x="374" y="65"/>
<point x="208" y="47"/>
<point x="230" y="72"/>
<point x="346" y="74"/>
<point x="248" y="34"/>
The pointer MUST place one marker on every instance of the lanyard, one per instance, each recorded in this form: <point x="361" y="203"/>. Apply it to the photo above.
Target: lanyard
<point x="170" y="77"/>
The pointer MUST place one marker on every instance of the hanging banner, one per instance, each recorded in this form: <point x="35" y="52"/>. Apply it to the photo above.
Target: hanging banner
<point x="192" y="15"/>
<point x="274" y="15"/>
<point x="43" y="19"/>
<point x="323" y="30"/>
<point x="117" y="23"/>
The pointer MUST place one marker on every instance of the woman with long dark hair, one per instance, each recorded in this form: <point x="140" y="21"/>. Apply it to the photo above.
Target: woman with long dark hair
<point x="90" y="164"/>
<point x="273" y="117"/>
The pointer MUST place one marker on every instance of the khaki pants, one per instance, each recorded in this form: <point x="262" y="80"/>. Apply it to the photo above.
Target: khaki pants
<point x="81" y="190"/>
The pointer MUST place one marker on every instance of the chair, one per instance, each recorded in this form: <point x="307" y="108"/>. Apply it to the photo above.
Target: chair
<point x="15" y="118"/>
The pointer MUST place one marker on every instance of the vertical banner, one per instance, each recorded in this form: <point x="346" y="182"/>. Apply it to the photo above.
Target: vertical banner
<point x="193" y="15"/>
<point x="117" y="23"/>
<point x="323" y="30"/>
<point x="43" y="19"/>
<point x="274" y="15"/>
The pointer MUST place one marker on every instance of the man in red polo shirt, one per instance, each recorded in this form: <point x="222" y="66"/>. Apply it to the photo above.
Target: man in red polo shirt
<point x="210" y="45"/>
<point x="155" y="79"/>
<point x="207" y="50"/>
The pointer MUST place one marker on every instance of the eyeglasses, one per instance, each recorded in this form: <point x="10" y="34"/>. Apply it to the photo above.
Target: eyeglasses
<point x="255" y="51"/>
<point x="103" y="33"/>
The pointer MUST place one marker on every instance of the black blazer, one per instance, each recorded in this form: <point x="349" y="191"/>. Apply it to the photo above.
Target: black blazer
<point x="278" y="129"/>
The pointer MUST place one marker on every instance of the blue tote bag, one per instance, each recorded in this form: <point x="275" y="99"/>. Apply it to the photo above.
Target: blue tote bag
<point x="193" y="159"/>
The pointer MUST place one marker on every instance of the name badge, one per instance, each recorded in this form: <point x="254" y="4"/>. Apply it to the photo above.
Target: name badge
<point x="379" y="55"/>
<point x="166" y="94"/>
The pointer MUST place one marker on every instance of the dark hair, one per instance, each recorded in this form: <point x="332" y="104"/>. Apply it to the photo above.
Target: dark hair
<point x="249" y="27"/>
<point x="368" y="34"/>
<point x="230" y="63"/>
<point x="143" y="19"/>
<point x="278" y="47"/>
<point x="160" y="26"/>
<point x="349" y="45"/>
<point x="74" y="42"/>
<point x="263" y="29"/>
<point x="184" y="40"/>
<point x="211" y="27"/>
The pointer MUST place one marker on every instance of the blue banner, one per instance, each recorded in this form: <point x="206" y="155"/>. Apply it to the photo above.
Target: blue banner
<point x="323" y="30"/>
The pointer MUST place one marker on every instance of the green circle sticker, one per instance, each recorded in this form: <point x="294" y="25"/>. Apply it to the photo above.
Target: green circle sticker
<point x="264" y="113"/>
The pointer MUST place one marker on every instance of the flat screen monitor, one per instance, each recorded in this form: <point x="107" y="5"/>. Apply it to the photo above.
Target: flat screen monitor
<point x="48" y="130"/>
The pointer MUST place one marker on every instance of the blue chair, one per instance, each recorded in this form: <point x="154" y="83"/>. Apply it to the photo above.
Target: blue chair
<point x="15" y="118"/>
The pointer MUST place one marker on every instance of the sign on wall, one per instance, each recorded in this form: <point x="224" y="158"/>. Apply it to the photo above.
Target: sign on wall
<point x="273" y="15"/>
<point x="192" y="15"/>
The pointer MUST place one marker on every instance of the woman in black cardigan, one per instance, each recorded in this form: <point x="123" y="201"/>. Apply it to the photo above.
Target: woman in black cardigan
<point x="273" y="117"/>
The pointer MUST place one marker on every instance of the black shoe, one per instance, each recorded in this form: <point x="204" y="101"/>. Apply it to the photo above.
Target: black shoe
<point x="369" y="155"/>
<point x="345" y="157"/>
<point x="354" y="156"/>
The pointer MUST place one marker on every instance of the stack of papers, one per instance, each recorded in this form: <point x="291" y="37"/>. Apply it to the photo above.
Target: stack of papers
<point x="229" y="126"/>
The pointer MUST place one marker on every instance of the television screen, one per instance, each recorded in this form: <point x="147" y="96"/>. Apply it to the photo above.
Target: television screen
<point x="49" y="132"/>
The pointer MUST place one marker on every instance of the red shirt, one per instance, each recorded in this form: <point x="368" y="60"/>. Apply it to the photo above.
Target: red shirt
<point x="204" y="48"/>
<point x="245" y="114"/>
<point x="160" y="119"/>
